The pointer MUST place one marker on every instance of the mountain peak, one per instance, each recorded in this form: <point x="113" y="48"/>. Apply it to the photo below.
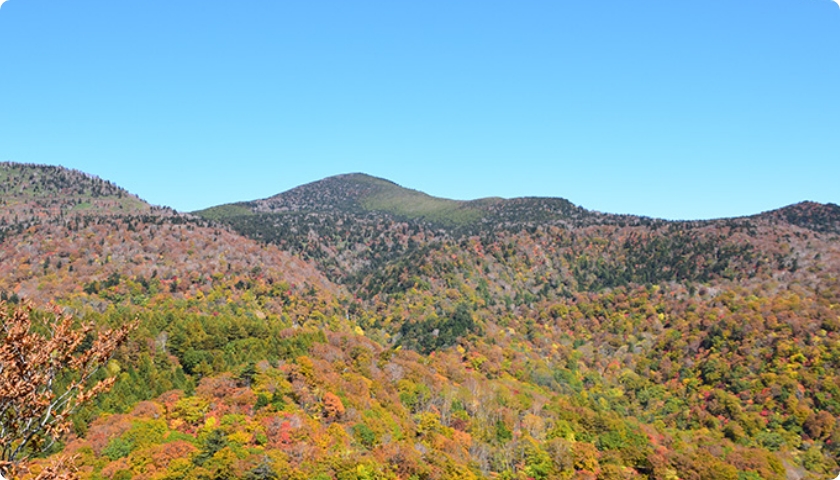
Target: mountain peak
<point x="363" y="194"/>
<point x="355" y="193"/>
<point x="36" y="191"/>
<point x="820" y="217"/>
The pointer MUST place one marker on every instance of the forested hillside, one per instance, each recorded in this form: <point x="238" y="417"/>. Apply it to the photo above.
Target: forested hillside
<point x="66" y="233"/>
<point x="366" y="331"/>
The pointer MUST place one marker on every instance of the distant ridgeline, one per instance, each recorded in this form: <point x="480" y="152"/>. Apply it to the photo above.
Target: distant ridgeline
<point x="354" y="329"/>
<point x="356" y="226"/>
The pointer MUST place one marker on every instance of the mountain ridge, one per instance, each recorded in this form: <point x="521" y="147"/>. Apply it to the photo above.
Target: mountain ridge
<point x="370" y="193"/>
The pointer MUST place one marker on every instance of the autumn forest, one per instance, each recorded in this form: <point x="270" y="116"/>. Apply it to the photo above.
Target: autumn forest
<point x="353" y="329"/>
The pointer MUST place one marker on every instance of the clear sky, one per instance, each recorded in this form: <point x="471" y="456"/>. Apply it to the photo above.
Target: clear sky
<point x="674" y="109"/>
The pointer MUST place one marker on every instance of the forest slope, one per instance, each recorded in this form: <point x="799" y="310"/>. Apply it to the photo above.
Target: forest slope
<point x="65" y="232"/>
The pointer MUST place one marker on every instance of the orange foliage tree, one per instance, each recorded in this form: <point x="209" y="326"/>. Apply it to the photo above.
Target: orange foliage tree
<point x="47" y="370"/>
<point x="333" y="406"/>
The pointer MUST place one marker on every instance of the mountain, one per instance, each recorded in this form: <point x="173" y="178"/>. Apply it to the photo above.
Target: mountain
<point x="361" y="194"/>
<point x="354" y="329"/>
<point x="823" y="218"/>
<point x="361" y="229"/>
<point x="352" y="225"/>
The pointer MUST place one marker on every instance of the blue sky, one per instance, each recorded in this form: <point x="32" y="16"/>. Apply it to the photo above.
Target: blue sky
<point x="671" y="109"/>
